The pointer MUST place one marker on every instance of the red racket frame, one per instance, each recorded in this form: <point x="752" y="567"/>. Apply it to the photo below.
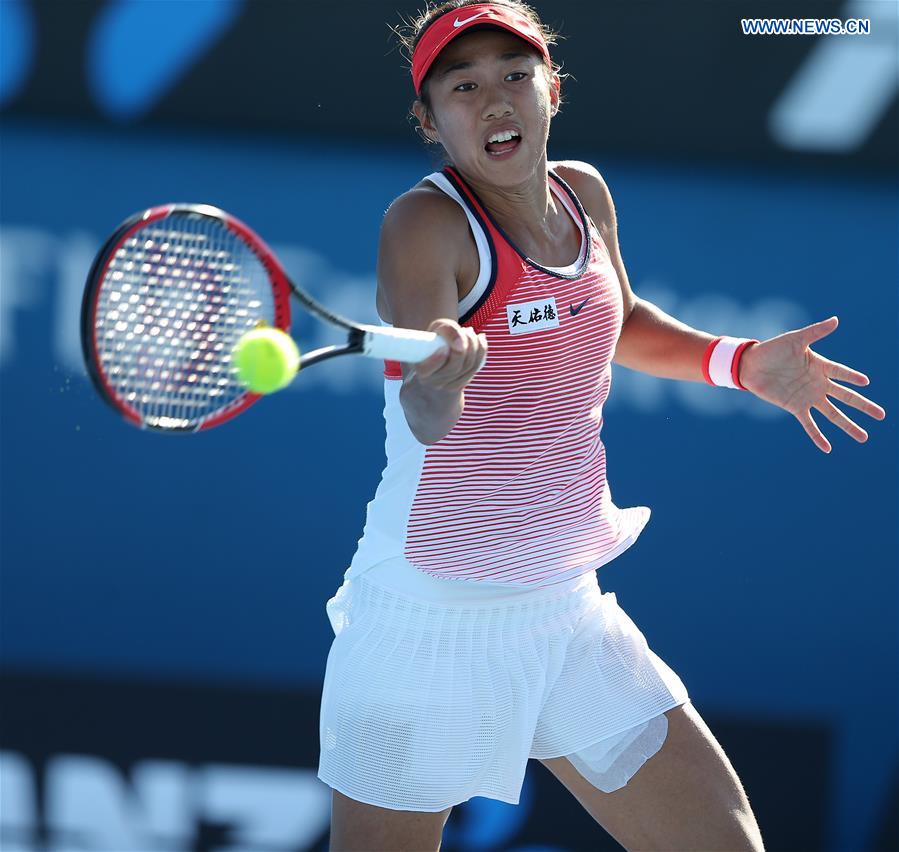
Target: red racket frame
<point x="281" y="290"/>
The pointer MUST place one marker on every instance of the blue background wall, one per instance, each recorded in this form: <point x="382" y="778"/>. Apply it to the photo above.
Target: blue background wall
<point x="767" y="577"/>
<point x="162" y="626"/>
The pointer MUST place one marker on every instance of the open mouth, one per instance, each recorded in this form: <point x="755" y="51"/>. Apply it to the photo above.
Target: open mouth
<point x="503" y="143"/>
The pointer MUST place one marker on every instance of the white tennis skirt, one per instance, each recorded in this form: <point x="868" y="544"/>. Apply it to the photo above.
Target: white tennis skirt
<point x="442" y="693"/>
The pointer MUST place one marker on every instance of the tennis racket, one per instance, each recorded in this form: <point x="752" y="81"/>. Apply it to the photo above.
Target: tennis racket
<point x="166" y="301"/>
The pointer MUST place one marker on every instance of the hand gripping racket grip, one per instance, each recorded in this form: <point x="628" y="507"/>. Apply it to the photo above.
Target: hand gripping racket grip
<point x="400" y="344"/>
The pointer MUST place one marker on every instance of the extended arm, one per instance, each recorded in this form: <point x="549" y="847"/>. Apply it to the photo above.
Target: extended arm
<point x="656" y="343"/>
<point x="651" y="341"/>
<point x="417" y="270"/>
<point x="782" y="370"/>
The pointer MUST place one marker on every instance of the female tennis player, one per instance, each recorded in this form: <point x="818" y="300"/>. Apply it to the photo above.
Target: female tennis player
<point x="471" y="633"/>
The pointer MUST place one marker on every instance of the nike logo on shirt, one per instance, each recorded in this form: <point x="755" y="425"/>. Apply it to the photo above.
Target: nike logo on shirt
<point x="576" y="310"/>
<point x="457" y="23"/>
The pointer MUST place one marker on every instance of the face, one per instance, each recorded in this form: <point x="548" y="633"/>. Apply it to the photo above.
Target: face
<point x="484" y="83"/>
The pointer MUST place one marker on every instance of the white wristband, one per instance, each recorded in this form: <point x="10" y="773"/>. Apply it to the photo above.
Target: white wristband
<point x="721" y="364"/>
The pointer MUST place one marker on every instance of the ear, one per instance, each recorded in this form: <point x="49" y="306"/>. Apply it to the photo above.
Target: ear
<point x="426" y="122"/>
<point x="555" y="92"/>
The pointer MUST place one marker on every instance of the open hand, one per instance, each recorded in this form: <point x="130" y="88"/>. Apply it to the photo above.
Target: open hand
<point x="785" y="372"/>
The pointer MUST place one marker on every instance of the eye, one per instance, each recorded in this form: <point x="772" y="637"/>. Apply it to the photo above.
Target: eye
<point x="518" y="75"/>
<point x="462" y="87"/>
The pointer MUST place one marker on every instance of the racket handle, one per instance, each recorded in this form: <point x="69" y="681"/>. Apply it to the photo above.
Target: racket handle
<point x="400" y="344"/>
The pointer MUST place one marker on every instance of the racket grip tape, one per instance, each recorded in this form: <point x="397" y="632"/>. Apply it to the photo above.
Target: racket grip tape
<point x="400" y="344"/>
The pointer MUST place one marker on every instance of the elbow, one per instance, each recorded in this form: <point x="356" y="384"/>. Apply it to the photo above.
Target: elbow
<point x="423" y="431"/>
<point x="430" y="418"/>
<point x="425" y="438"/>
<point x="630" y="307"/>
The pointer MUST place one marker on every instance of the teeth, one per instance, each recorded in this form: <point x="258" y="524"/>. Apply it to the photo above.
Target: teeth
<point x="504" y="136"/>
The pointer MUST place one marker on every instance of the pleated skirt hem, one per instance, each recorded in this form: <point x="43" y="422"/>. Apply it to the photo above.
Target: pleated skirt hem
<point x="426" y="705"/>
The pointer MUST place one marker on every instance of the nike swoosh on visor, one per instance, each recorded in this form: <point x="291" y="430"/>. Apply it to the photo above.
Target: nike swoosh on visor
<point x="457" y="23"/>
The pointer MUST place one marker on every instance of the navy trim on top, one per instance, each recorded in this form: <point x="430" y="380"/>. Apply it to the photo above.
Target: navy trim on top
<point x="493" y="265"/>
<point x="586" y="221"/>
<point x="530" y="261"/>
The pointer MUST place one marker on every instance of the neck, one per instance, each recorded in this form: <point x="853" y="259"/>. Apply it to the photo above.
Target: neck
<point x="526" y="208"/>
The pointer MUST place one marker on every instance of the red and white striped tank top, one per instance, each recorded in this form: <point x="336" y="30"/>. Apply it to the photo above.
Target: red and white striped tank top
<point x="516" y="494"/>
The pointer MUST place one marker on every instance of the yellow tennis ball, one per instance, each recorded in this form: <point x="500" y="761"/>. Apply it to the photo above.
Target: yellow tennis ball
<point x="266" y="360"/>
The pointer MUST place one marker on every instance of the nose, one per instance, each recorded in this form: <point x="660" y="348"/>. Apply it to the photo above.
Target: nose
<point x="496" y="104"/>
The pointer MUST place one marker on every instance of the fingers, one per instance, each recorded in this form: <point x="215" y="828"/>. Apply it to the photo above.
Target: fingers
<point x="812" y="430"/>
<point x="856" y="400"/>
<point x="454" y="366"/>
<point x="458" y="371"/>
<point x="842" y="373"/>
<point x="835" y="416"/>
<point x="817" y="330"/>
<point x="832" y="369"/>
<point x="452" y="335"/>
<point x="474" y="358"/>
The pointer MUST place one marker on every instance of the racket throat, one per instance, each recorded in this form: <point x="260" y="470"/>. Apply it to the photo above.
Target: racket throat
<point x="355" y="344"/>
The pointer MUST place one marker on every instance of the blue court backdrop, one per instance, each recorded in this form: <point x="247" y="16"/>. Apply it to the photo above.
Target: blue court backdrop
<point x="767" y="576"/>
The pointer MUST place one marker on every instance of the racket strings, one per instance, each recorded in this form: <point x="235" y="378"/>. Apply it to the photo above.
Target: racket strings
<point x="176" y="297"/>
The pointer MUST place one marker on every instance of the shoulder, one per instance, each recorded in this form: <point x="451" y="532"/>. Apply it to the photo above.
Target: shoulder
<point x="422" y="255"/>
<point x="421" y="214"/>
<point x="590" y="187"/>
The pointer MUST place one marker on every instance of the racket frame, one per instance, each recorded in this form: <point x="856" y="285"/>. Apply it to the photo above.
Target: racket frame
<point x="281" y="288"/>
<point x="361" y="339"/>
